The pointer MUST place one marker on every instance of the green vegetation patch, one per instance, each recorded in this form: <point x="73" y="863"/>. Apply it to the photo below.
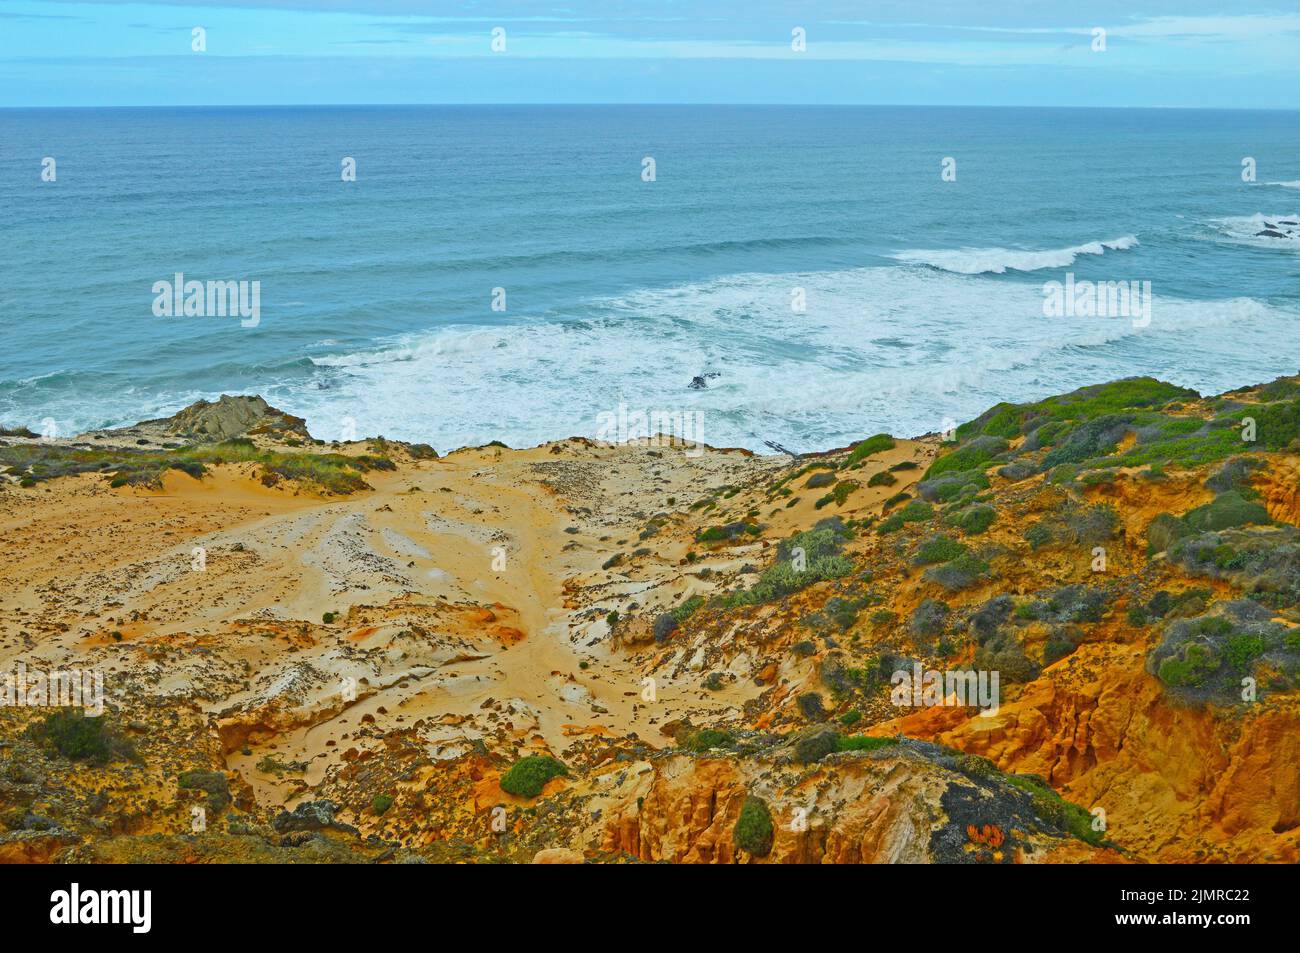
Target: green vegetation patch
<point x="803" y="559"/>
<point x="959" y="573"/>
<point x="917" y="511"/>
<point x="1204" y="659"/>
<point x="1263" y="562"/>
<point x="79" y="737"/>
<point x="872" y="445"/>
<point x="330" y="472"/>
<point x="214" y="784"/>
<point x="687" y="609"/>
<point x="955" y="485"/>
<point x="938" y="549"/>
<point x="708" y="738"/>
<point x="1074" y="524"/>
<point x="529" y="775"/>
<point x="1055" y="810"/>
<point x="1226" y="511"/>
<point x="978" y="454"/>
<point x="728" y="533"/>
<point x="1077" y="434"/>
<point x="973" y="520"/>
<point x="754" y="831"/>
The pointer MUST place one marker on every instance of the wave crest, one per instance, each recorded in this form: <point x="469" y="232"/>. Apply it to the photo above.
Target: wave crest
<point x="980" y="261"/>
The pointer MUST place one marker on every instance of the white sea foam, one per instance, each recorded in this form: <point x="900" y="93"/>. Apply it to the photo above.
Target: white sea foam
<point x="978" y="261"/>
<point x="1248" y="229"/>
<point x="887" y="348"/>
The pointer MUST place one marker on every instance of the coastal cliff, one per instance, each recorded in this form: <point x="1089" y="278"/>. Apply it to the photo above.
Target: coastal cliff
<point x="649" y="652"/>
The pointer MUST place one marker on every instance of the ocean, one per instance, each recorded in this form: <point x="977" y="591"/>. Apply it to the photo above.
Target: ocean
<point x="508" y="273"/>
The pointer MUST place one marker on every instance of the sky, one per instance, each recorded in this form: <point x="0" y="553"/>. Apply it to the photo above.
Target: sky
<point x="1176" y="53"/>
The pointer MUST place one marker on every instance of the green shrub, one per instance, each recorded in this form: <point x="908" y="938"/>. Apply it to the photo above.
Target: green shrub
<point x="975" y="520"/>
<point x="1189" y="667"/>
<point x="1061" y="641"/>
<point x="814" y="743"/>
<point x="383" y="802"/>
<point x="822" y="561"/>
<point x="754" y="831"/>
<point x="938" y="549"/>
<point x="708" y="738"/>
<point x="838" y="495"/>
<point x="1242" y="648"/>
<point x="688" y="608"/>
<point x="1001" y="420"/>
<point x="213" y="783"/>
<point x="529" y="775"/>
<point x="328" y="472"/>
<point x="1076" y="525"/>
<point x="953" y="485"/>
<point x="1130" y="393"/>
<point x="1054" y="809"/>
<point x="958" y="573"/>
<point x="79" y="737"/>
<point x="1235" y="474"/>
<point x="872" y="445"/>
<point x="975" y="455"/>
<point x="883" y="478"/>
<point x="1224" y="512"/>
<point x="916" y="511"/>
<point x="929" y="619"/>
<point x="1093" y="438"/>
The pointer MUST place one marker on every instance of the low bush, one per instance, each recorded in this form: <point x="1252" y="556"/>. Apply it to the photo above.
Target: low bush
<point x="959" y="573"/>
<point x="708" y="738"/>
<point x="938" y="549"/>
<point x="754" y="831"/>
<point x="917" y="511"/>
<point x="976" y="454"/>
<point x="1225" y="511"/>
<point x="530" y="774"/>
<point x="79" y="737"/>
<point x="872" y="445"/>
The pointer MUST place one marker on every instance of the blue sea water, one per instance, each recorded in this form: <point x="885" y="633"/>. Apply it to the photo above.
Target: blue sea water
<point x="924" y="297"/>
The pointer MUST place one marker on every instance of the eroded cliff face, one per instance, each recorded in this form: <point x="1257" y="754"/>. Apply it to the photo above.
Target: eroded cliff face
<point x="633" y="653"/>
<point x="1177" y="783"/>
<point x="892" y="807"/>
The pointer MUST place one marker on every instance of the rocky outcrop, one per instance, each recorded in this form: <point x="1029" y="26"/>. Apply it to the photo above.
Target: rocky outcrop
<point x="233" y="416"/>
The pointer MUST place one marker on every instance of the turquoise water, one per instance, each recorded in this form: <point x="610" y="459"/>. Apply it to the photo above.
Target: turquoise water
<point x="923" y="297"/>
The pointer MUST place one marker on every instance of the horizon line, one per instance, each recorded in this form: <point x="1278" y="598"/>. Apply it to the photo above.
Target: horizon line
<point x="643" y="104"/>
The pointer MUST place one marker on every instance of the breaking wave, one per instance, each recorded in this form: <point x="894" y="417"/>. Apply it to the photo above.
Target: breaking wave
<point x="980" y="261"/>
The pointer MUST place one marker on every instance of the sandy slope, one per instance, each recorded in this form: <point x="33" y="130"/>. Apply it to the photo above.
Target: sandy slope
<point x="468" y="593"/>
